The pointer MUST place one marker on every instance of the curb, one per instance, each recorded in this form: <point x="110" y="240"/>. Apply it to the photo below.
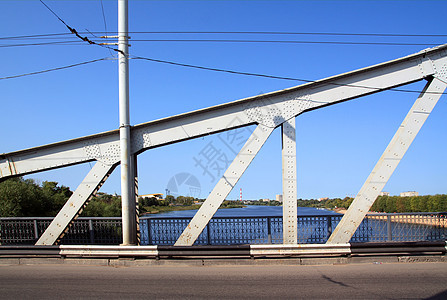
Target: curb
<point x="307" y="261"/>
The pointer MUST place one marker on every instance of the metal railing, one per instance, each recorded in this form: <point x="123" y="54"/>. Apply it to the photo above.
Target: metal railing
<point x="232" y="230"/>
<point x="90" y="231"/>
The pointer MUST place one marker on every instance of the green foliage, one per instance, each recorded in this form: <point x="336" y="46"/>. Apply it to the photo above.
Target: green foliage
<point x="181" y="200"/>
<point x="170" y="203"/>
<point x="428" y="203"/>
<point x="170" y="199"/>
<point x="103" y="205"/>
<point x="25" y="198"/>
<point x="389" y="204"/>
<point x="230" y="204"/>
<point x="328" y="203"/>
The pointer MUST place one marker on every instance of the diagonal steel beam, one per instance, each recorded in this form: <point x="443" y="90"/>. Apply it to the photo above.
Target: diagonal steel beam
<point x="224" y="185"/>
<point x="388" y="162"/>
<point x="74" y="206"/>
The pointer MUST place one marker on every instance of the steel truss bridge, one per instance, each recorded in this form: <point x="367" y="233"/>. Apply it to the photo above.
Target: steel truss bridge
<point x="267" y="112"/>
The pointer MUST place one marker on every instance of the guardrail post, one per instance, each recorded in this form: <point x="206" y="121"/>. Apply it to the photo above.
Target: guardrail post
<point x="269" y="230"/>
<point x="208" y="235"/>
<point x="329" y="226"/>
<point x="149" y="236"/>
<point x="92" y="233"/>
<point x="388" y="228"/>
<point x="36" y="231"/>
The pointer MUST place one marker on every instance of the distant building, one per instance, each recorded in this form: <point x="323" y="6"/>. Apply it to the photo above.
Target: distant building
<point x="409" y="194"/>
<point x="385" y="194"/>
<point x="265" y="200"/>
<point x="279" y="198"/>
<point x="157" y="196"/>
<point x="322" y="199"/>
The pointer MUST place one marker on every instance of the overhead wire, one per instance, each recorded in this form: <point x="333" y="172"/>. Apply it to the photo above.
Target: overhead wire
<point x="72" y="30"/>
<point x="245" y="33"/>
<point x="55" y="69"/>
<point x="42" y="44"/>
<point x="291" y="33"/>
<point x="284" y="42"/>
<point x="270" y="76"/>
<point x="105" y="23"/>
<point x="99" y="43"/>
<point x="75" y="32"/>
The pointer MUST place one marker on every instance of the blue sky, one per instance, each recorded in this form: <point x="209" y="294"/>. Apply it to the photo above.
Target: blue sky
<point x="337" y="146"/>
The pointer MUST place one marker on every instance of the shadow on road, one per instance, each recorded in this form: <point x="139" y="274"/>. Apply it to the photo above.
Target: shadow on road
<point x="439" y="296"/>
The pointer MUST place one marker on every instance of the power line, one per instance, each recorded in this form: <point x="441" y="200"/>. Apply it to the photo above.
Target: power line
<point x="42" y="44"/>
<point x="48" y="35"/>
<point x="98" y="43"/>
<point x="223" y="70"/>
<point x="233" y="32"/>
<point x="285" y="42"/>
<point x="72" y="30"/>
<point x="55" y="14"/>
<point x="55" y="69"/>
<point x="291" y="33"/>
<point x="270" y="76"/>
<point x="105" y="23"/>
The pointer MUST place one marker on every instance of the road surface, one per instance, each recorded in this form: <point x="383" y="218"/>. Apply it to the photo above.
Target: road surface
<point x="350" y="281"/>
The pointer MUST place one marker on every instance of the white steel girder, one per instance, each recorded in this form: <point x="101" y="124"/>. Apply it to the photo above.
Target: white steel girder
<point x="268" y="110"/>
<point x="290" y="209"/>
<point x="74" y="206"/>
<point x="224" y="186"/>
<point x="388" y="162"/>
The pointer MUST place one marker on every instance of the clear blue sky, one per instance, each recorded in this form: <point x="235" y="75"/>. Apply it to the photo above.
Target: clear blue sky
<point x="337" y="146"/>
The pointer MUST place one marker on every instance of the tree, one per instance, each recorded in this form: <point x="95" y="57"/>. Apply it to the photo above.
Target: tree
<point x="170" y="199"/>
<point x="21" y="198"/>
<point x="55" y="196"/>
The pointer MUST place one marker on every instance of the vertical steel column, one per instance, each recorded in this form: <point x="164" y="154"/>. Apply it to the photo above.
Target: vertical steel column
<point x="388" y="162"/>
<point x="127" y="178"/>
<point x="289" y="182"/>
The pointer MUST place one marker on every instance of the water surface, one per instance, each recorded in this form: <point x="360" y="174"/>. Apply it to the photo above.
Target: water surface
<point x="249" y="211"/>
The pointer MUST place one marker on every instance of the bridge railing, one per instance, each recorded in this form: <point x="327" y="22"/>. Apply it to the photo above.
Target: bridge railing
<point x="232" y="230"/>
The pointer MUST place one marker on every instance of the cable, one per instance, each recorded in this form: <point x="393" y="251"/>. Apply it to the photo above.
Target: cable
<point x="72" y="30"/>
<point x="48" y="35"/>
<point x="43" y="44"/>
<point x="85" y="39"/>
<point x="286" y="42"/>
<point x="243" y="33"/>
<point x="55" y="69"/>
<point x="270" y="76"/>
<point x="291" y="33"/>
<point x="54" y="13"/>
<point x="215" y="69"/>
<point x="105" y="23"/>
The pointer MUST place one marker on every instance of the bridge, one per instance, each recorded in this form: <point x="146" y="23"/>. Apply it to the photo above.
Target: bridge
<point x="268" y="112"/>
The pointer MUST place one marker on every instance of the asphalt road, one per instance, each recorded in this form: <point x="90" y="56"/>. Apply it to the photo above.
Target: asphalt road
<point x="351" y="281"/>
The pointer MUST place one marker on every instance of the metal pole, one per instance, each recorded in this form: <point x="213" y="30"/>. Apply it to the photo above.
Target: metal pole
<point x="127" y="199"/>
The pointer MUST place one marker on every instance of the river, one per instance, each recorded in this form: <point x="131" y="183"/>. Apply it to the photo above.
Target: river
<point x="248" y="211"/>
